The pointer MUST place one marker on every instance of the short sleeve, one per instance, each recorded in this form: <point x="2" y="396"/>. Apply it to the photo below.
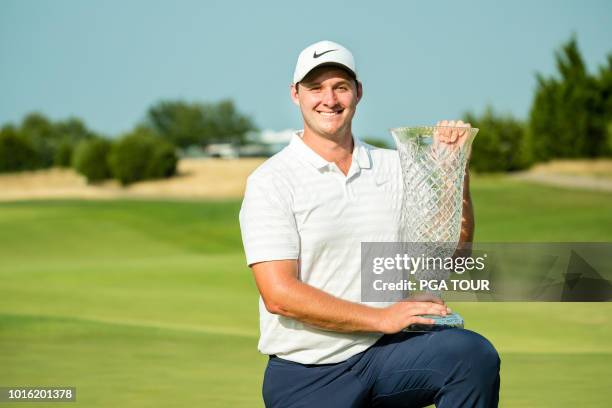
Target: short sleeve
<point x="267" y="223"/>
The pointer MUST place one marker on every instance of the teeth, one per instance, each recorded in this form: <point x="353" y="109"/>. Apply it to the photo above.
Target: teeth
<point x="328" y="113"/>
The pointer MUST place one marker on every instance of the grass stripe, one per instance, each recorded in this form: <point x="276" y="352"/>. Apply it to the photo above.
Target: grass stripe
<point x="189" y="328"/>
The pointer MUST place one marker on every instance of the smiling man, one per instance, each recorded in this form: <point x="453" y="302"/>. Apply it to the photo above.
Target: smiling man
<point x="305" y="213"/>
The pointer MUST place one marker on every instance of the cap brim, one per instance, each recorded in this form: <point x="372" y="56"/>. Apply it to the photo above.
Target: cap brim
<point x="331" y="64"/>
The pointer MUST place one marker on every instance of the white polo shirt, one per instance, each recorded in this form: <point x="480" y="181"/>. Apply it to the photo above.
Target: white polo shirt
<point x="299" y="206"/>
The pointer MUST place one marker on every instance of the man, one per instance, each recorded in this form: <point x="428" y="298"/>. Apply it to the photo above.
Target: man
<point x="305" y="212"/>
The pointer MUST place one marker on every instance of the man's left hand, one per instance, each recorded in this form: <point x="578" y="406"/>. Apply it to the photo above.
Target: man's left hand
<point x="452" y="132"/>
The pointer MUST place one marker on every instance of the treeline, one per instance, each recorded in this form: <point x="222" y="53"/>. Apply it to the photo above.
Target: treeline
<point x="570" y="117"/>
<point x="149" y="151"/>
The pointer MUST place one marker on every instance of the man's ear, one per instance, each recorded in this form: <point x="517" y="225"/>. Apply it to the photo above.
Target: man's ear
<point x="359" y="91"/>
<point x="294" y="94"/>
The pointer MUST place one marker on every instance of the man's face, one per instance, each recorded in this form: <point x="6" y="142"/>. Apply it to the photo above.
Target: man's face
<point x="327" y="97"/>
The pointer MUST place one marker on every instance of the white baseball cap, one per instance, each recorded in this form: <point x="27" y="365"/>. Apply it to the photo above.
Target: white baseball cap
<point x="323" y="53"/>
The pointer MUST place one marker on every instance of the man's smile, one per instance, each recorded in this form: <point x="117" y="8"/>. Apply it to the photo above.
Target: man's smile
<point x="330" y="114"/>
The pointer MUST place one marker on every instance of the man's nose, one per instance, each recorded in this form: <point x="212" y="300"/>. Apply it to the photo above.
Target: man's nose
<point x="329" y="97"/>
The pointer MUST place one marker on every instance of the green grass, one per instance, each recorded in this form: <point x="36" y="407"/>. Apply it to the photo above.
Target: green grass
<point x="509" y="210"/>
<point x="149" y="303"/>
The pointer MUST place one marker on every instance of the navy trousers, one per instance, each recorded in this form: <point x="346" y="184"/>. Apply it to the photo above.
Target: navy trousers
<point x="449" y="368"/>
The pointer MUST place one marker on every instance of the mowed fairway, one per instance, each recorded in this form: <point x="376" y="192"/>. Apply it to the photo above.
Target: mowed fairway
<point x="149" y="304"/>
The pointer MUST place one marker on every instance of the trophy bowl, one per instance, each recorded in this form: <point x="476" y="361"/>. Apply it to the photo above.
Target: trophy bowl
<point x="433" y="161"/>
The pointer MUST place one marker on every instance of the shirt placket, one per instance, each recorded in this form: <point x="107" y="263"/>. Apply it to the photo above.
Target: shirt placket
<point x="345" y="181"/>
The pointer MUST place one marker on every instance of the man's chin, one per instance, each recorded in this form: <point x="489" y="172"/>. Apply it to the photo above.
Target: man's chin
<point x="332" y="130"/>
<point x="335" y="134"/>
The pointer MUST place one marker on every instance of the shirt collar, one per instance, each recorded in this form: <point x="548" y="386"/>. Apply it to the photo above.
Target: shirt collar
<point x="361" y="153"/>
<point x="361" y="156"/>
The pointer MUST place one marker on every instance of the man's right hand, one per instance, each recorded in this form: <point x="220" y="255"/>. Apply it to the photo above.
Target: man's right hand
<point x="283" y="294"/>
<point x="400" y="315"/>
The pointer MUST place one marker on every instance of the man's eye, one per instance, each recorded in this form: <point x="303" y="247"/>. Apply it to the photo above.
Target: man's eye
<point x="343" y="88"/>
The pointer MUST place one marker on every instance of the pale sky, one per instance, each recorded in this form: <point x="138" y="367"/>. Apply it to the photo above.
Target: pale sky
<point x="108" y="61"/>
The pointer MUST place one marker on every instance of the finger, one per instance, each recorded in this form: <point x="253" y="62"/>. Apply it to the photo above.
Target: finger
<point x="438" y="309"/>
<point x="459" y="130"/>
<point x="449" y="131"/>
<point x="460" y="134"/>
<point x="421" y="320"/>
<point x="439" y="135"/>
<point x="444" y="131"/>
<point x="422" y="308"/>
<point x="445" y="310"/>
<point x="462" y="124"/>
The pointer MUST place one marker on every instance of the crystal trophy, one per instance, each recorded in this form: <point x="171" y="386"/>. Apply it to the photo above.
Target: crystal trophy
<point x="433" y="161"/>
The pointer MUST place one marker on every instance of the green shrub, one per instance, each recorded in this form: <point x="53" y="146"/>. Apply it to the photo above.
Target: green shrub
<point x="140" y="155"/>
<point x="16" y="152"/>
<point x="163" y="162"/>
<point x="91" y="159"/>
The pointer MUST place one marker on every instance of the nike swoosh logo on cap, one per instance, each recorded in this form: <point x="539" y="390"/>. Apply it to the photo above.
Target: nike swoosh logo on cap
<point x="315" y="55"/>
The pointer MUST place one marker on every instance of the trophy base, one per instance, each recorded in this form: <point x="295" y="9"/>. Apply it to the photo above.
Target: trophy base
<point x="440" y="323"/>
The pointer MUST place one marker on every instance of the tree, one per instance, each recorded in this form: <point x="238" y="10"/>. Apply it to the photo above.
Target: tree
<point x="41" y="134"/>
<point x="227" y="124"/>
<point x="186" y="124"/>
<point x="501" y="143"/>
<point x="63" y="154"/>
<point x="179" y="122"/>
<point x="16" y="152"/>
<point x="73" y="129"/>
<point x="69" y="133"/>
<point x="605" y="88"/>
<point x="566" y="118"/>
<point x="53" y="142"/>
